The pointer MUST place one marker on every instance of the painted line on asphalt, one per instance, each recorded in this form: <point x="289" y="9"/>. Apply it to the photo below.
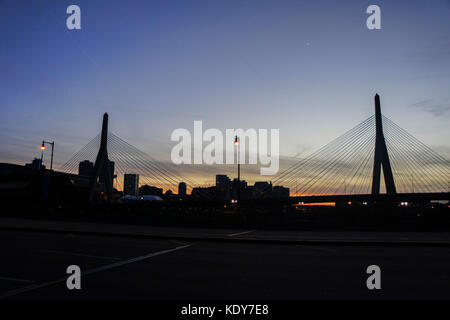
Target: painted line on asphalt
<point x="91" y="271"/>
<point x="239" y="233"/>
<point x="16" y="280"/>
<point x="180" y="243"/>
<point x="121" y="263"/>
<point x="78" y="254"/>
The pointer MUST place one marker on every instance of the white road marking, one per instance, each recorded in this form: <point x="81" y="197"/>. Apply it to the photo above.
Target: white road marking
<point x="178" y="242"/>
<point x="14" y="279"/>
<point x="78" y="254"/>
<point x="121" y="263"/>
<point x="239" y="233"/>
<point x="91" y="271"/>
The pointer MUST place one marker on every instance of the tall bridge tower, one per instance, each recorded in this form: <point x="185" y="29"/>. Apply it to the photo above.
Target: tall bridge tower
<point x="381" y="157"/>
<point x="102" y="180"/>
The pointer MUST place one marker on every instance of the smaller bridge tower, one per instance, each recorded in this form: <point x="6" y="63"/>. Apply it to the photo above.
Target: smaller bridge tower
<point x="102" y="180"/>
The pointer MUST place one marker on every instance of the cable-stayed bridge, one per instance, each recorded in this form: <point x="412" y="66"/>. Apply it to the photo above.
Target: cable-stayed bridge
<point x="129" y="159"/>
<point x="107" y="149"/>
<point x="349" y="168"/>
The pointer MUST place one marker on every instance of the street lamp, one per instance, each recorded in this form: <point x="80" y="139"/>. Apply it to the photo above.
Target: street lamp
<point x="42" y="152"/>
<point x="236" y="143"/>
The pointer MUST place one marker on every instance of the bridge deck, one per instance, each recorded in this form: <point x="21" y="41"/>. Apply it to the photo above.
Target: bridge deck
<point x="410" y="197"/>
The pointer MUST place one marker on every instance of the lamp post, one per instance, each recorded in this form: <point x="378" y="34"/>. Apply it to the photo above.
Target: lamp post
<point x="236" y="142"/>
<point x="42" y="152"/>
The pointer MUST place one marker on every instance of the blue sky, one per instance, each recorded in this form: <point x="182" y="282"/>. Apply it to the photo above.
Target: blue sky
<point x="308" y="68"/>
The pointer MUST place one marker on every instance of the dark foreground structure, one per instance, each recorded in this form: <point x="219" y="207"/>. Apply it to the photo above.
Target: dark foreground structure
<point x="38" y="192"/>
<point x="28" y="192"/>
<point x="156" y="269"/>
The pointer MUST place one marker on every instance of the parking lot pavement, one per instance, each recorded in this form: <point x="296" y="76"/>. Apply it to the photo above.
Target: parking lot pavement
<point x="250" y="235"/>
<point x="33" y="266"/>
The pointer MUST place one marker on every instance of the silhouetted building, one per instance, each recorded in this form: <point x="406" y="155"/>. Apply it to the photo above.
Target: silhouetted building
<point x="222" y="182"/>
<point x="86" y="168"/>
<point x="30" y="184"/>
<point x="262" y="189"/>
<point x="35" y="164"/>
<point x="280" y="192"/>
<point x="203" y="193"/>
<point x="169" y="195"/>
<point x="131" y="184"/>
<point x="182" y="189"/>
<point x="247" y="193"/>
<point x="223" y="187"/>
<point x="235" y="188"/>
<point x="150" y="190"/>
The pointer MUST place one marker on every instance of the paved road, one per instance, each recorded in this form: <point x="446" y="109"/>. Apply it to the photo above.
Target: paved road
<point x="33" y="266"/>
<point x="198" y="234"/>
